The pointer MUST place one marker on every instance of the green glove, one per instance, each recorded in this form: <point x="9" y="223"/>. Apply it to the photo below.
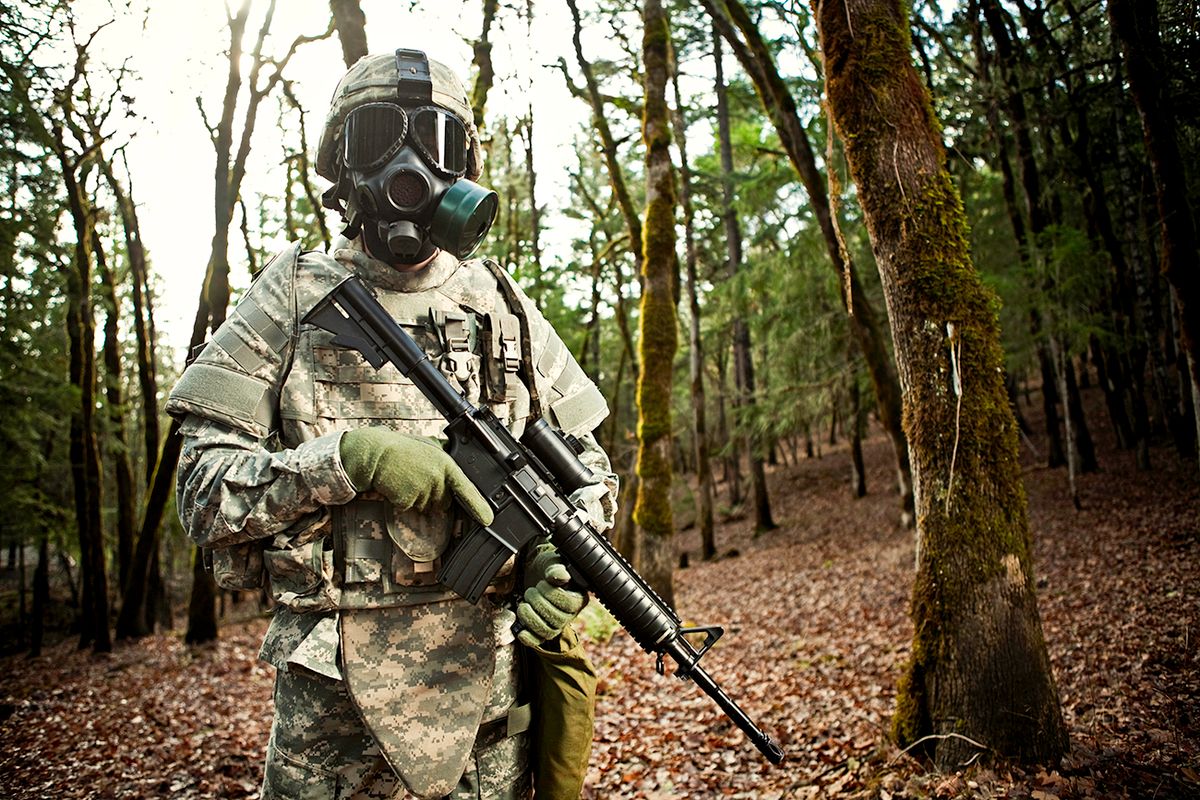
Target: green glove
<point x="548" y="605"/>
<point x="409" y="471"/>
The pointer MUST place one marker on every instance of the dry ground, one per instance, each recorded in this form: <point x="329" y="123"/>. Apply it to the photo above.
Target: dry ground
<point x="817" y="631"/>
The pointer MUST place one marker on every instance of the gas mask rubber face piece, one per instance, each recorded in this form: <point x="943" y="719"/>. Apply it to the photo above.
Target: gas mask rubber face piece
<point x="405" y="168"/>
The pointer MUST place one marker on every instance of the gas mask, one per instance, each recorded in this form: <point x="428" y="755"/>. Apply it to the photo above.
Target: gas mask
<point x="401" y="172"/>
<point x="403" y="169"/>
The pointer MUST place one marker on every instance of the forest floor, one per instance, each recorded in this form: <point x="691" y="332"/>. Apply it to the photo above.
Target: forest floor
<point x="817" y="632"/>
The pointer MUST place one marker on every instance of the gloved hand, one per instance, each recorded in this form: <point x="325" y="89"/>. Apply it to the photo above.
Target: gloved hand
<point x="409" y="471"/>
<point x="549" y="604"/>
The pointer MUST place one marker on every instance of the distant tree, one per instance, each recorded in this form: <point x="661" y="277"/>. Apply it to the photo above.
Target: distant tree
<point x="743" y="359"/>
<point x="731" y="18"/>
<point x="700" y="437"/>
<point x="979" y="674"/>
<point x="1136" y="27"/>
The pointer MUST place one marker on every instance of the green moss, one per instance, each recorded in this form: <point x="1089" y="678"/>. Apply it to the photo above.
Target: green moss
<point x="970" y="523"/>
<point x="658" y="325"/>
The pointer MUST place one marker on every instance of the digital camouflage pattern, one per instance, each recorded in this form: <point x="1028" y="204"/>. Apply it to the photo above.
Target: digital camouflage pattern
<point x="264" y="407"/>
<point x="373" y="79"/>
<point x="428" y="673"/>
<point x="319" y="748"/>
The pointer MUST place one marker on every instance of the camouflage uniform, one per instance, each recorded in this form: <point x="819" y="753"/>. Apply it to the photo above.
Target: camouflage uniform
<point x="387" y="681"/>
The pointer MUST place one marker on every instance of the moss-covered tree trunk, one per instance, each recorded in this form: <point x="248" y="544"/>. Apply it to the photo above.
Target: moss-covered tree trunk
<point x="979" y="671"/>
<point x="659" y="337"/>
<point x="485" y="74"/>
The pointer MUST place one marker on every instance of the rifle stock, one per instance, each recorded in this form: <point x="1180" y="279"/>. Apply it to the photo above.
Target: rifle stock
<point x="527" y="483"/>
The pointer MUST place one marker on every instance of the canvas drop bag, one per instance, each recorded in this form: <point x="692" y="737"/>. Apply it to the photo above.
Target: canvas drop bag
<point x="564" y="684"/>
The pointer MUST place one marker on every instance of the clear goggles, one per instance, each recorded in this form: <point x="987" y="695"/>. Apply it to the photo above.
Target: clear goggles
<point x="374" y="133"/>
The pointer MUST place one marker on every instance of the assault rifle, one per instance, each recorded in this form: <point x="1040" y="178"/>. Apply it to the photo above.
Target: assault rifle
<point x="527" y="483"/>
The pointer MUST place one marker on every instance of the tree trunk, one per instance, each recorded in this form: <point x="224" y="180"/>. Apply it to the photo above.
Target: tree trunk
<point x="743" y="363"/>
<point x="202" y="607"/>
<point x="658" y="339"/>
<point x="1085" y="449"/>
<point x="979" y="668"/>
<point x="351" y="25"/>
<point x="84" y="449"/>
<point x="535" y="214"/>
<point x="1136" y="26"/>
<point x="704" y="476"/>
<point x="731" y="463"/>
<point x="41" y="598"/>
<point x="858" y="424"/>
<point x="136" y="619"/>
<point x="780" y="105"/>
<point x="114" y="396"/>
<point x="143" y="316"/>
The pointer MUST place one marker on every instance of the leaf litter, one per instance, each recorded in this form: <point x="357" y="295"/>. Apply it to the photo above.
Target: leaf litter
<point x="817" y="632"/>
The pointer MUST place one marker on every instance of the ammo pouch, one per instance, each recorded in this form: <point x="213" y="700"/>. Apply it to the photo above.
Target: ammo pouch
<point x="564" y="690"/>
<point x="238" y="567"/>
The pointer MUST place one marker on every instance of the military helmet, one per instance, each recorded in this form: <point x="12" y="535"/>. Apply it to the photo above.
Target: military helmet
<point x="374" y="78"/>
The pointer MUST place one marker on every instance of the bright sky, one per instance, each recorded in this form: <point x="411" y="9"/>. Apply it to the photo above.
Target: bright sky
<point x="179" y="56"/>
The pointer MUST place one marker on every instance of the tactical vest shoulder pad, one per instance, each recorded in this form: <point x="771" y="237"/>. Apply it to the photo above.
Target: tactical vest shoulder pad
<point x="235" y="380"/>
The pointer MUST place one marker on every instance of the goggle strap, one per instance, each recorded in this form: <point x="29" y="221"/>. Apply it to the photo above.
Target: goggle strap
<point x="413" y="81"/>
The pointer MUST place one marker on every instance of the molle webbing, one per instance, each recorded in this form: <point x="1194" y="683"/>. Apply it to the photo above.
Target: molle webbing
<point x="517" y="308"/>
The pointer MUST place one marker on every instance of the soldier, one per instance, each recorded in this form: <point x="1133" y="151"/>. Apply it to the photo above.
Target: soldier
<point x="302" y="461"/>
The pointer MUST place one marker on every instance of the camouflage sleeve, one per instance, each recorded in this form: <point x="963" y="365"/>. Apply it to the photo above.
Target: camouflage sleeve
<point x="598" y="500"/>
<point x="231" y="488"/>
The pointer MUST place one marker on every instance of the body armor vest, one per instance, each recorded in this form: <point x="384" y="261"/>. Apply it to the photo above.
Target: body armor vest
<point x="379" y="556"/>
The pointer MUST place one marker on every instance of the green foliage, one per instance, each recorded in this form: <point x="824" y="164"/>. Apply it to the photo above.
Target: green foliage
<point x="34" y="478"/>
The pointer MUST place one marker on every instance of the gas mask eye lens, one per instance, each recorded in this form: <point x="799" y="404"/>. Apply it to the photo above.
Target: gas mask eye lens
<point x="373" y="134"/>
<point x="407" y="190"/>
<point x="441" y="138"/>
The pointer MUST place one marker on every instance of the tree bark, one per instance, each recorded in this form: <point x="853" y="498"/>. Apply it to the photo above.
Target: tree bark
<point x="41" y="598"/>
<point x="202" y="606"/>
<point x="743" y="363"/>
<point x="658" y="339"/>
<point x="777" y="99"/>
<point x="858" y="423"/>
<point x="979" y="668"/>
<point x="1136" y="26"/>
